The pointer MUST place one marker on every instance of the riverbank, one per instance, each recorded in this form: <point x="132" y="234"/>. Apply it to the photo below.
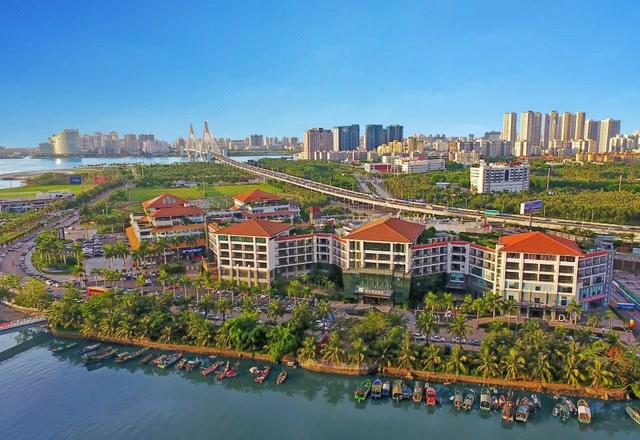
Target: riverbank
<point x="347" y="370"/>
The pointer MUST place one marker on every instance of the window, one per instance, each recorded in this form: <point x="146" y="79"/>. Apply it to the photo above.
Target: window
<point x="261" y="240"/>
<point x="371" y="246"/>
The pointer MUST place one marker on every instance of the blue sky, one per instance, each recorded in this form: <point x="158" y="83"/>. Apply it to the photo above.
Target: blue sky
<point x="279" y="67"/>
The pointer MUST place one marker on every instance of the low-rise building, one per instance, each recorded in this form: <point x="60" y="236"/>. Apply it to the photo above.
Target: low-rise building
<point x="261" y="204"/>
<point x="384" y="261"/>
<point x="42" y="199"/>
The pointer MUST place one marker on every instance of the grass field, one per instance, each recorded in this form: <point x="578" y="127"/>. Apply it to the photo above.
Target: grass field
<point x="232" y="190"/>
<point x="30" y="191"/>
<point x="214" y="192"/>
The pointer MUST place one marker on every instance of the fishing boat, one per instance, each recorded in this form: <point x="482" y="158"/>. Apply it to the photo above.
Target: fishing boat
<point x="182" y="364"/>
<point x="431" y="397"/>
<point x="90" y="348"/>
<point x="501" y="400"/>
<point x="210" y="369"/>
<point x="376" y="389"/>
<point x="65" y="347"/>
<point x="396" y="391"/>
<point x="634" y="413"/>
<point x="564" y="412"/>
<point x="98" y="356"/>
<point x="261" y="377"/>
<point x="386" y="389"/>
<point x="468" y="401"/>
<point x="522" y="410"/>
<point x="407" y="392"/>
<point x="535" y="402"/>
<point x="122" y="357"/>
<point x="584" y="412"/>
<point x="417" y="392"/>
<point x="509" y="409"/>
<point x="159" y="359"/>
<point x="193" y="364"/>
<point x="282" y="377"/>
<point x="458" y="399"/>
<point x="572" y="406"/>
<point x="170" y="360"/>
<point x="221" y="374"/>
<point x="556" y="409"/>
<point x="362" y="391"/>
<point x="486" y="401"/>
<point x="145" y="359"/>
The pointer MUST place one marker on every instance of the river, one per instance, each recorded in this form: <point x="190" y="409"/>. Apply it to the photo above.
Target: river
<point x="54" y="396"/>
<point x="33" y="165"/>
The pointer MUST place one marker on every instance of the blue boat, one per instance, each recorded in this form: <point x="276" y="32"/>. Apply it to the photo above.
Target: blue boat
<point x="407" y="392"/>
<point x="90" y="348"/>
<point x="386" y="389"/>
<point x="376" y="389"/>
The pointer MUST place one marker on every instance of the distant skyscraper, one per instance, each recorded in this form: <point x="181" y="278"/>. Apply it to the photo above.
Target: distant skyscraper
<point x="66" y="143"/>
<point x="394" y="133"/>
<point x="550" y="128"/>
<point x="509" y="127"/>
<point x="374" y="136"/>
<point x="530" y="128"/>
<point x="346" y="137"/>
<point x="592" y="130"/>
<point x="578" y="132"/>
<point x="567" y="128"/>
<point x="608" y="129"/>
<point x="256" y="140"/>
<point x="131" y="143"/>
<point x="316" y="140"/>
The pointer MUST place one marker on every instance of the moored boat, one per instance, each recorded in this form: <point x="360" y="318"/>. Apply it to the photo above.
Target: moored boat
<point x="634" y="413"/>
<point x="97" y="356"/>
<point x="509" y="408"/>
<point x="458" y="399"/>
<point x="121" y="357"/>
<point x="535" y="402"/>
<point x="469" y="399"/>
<point x="90" y="348"/>
<point x="396" y="391"/>
<point x="221" y="374"/>
<point x="431" y="397"/>
<point x="282" y="377"/>
<point x="264" y="373"/>
<point x="145" y="359"/>
<point x="386" y="389"/>
<point x="64" y="347"/>
<point x="564" y="412"/>
<point x="362" y="391"/>
<point x="486" y="401"/>
<point x="193" y="364"/>
<point x="417" y="392"/>
<point x="584" y="412"/>
<point x="210" y="369"/>
<point x="522" y="410"/>
<point x="407" y="392"/>
<point x="159" y="359"/>
<point x="170" y="360"/>
<point x="182" y="364"/>
<point x="376" y="389"/>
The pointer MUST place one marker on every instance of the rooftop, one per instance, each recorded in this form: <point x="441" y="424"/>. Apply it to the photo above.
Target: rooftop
<point x="254" y="228"/>
<point x="176" y="211"/>
<point x="388" y="229"/>
<point x="539" y="243"/>
<point x="164" y="200"/>
<point x="256" y="195"/>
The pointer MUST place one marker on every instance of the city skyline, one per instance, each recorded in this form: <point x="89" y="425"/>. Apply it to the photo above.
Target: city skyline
<point x="267" y="72"/>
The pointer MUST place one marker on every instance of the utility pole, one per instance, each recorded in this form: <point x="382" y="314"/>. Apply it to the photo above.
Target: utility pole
<point x="548" y="178"/>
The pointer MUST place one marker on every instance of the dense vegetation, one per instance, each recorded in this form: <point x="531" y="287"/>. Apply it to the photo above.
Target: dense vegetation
<point x="163" y="175"/>
<point x="332" y="173"/>
<point x="577" y="192"/>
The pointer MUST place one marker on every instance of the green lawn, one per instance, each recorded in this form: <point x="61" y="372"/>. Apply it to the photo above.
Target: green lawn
<point x="232" y="190"/>
<point x="30" y="191"/>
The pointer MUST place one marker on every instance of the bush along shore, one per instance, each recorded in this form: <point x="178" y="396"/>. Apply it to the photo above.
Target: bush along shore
<point x="561" y="361"/>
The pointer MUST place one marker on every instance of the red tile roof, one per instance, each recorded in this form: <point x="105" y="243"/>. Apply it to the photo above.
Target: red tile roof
<point x="164" y="200"/>
<point x="254" y="228"/>
<point x="177" y="211"/>
<point x="256" y="195"/>
<point x="539" y="243"/>
<point x="388" y="229"/>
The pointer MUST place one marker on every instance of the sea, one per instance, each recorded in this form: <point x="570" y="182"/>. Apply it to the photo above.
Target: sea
<point x="47" y="395"/>
<point x="29" y="165"/>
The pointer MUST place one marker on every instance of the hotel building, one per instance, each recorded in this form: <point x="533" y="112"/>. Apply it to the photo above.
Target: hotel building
<point x="387" y="260"/>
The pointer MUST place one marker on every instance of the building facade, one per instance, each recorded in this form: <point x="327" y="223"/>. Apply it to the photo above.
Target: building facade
<point x="316" y="140"/>
<point x="346" y="138"/>
<point x="500" y="177"/>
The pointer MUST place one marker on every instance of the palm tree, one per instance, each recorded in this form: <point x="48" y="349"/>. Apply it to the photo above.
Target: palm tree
<point x="274" y="310"/>
<point x="478" y="306"/>
<point x="575" y="311"/>
<point x="323" y="308"/>
<point x="541" y="368"/>
<point x="432" y="358"/>
<point x="109" y="254"/>
<point x="447" y="302"/>
<point x="427" y="323"/>
<point x="308" y="350"/>
<point x="609" y="315"/>
<point x="487" y="363"/>
<point x="507" y="307"/>
<point x="572" y="357"/>
<point x="493" y="302"/>
<point x="77" y="271"/>
<point x="95" y="272"/>
<point x="593" y="321"/>
<point x="332" y="352"/>
<point x="459" y="328"/>
<point x="140" y="283"/>
<point x="431" y="301"/>
<point x="457" y="362"/>
<point x="161" y="246"/>
<point x="406" y="356"/>
<point x="294" y="289"/>
<point x="223" y="305"/>
<point x="513" y="364"/>
<point x="600" y="374"/>
<point x="357" y="352"/>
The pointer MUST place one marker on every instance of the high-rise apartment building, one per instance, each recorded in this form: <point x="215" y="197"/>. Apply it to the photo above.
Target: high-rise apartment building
<point x="530" y="128"/>
<point x="374" y="136"/>
<point x="316" y="140"/>
<point x="509" y="127"/>
<point x="567" y="128"/>
<point x="394" y="133"/>
<point x="66" y="143"/>
<point x="346" y="137"/>
<point x="608" y="129"/>
<point x="592" y="130"/>
<point x="550" y="129"/>
<point x="130" y="143"/>
<point x="578" y="132"/>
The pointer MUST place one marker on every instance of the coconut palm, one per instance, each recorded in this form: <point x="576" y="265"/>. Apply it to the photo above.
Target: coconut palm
<point x="223" y="305"/>
<point x="140" y="283"/>
<point x="357" y="352"/>
<point x="593" y="321"/>
<point x="571" y="370"/>
<point x="427" y="323"/>
<point x="308" y="351"/>
<point x="407" y="354"/>
<point x="575" y="311"/>
<point x="431" y="301"/>
<point x="323" y="309"/>
<point x="332" y="351"/>
<point x="513" y="364"/>
<point x="541" y="368"/>
<point x="432" y="357"/>
<point x="274" y="310"/>
<point x="446" y="301"/>
<point x="487" y="363"/>
<point x="478" y="306"/>
<point x="599" y="373"/>
<point x="457" y="361"/>
<point x="609" y="315"/>
<point x="459" y="328"/>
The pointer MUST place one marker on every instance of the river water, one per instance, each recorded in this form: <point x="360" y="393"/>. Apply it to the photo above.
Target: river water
<point x="49" y="395"/>
<point x="28" y="165"/>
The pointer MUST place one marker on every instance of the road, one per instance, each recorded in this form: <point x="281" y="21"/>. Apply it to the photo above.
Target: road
<point x="426" y="208"/>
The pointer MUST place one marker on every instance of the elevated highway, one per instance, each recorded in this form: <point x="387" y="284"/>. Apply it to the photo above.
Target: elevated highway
<point x="426" y="208"/>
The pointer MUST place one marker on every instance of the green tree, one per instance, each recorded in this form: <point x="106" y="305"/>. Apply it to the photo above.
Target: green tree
<point x="513" y="364"/>
<point x="600" y="374"/>
<point x="427" y="324"/>
<point x="357" y="352"/>
<point x="308" y="351"/>
<point x="487" y="363"/>
<point x="457" y="361"/>
<point x="332" y="351"/>
<point x="274" y="310"/>
<point x="282" y="341"/>
<point x="459" y="328"/>
<point x="407" y="354"/>
<point x="432" y="357"/>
